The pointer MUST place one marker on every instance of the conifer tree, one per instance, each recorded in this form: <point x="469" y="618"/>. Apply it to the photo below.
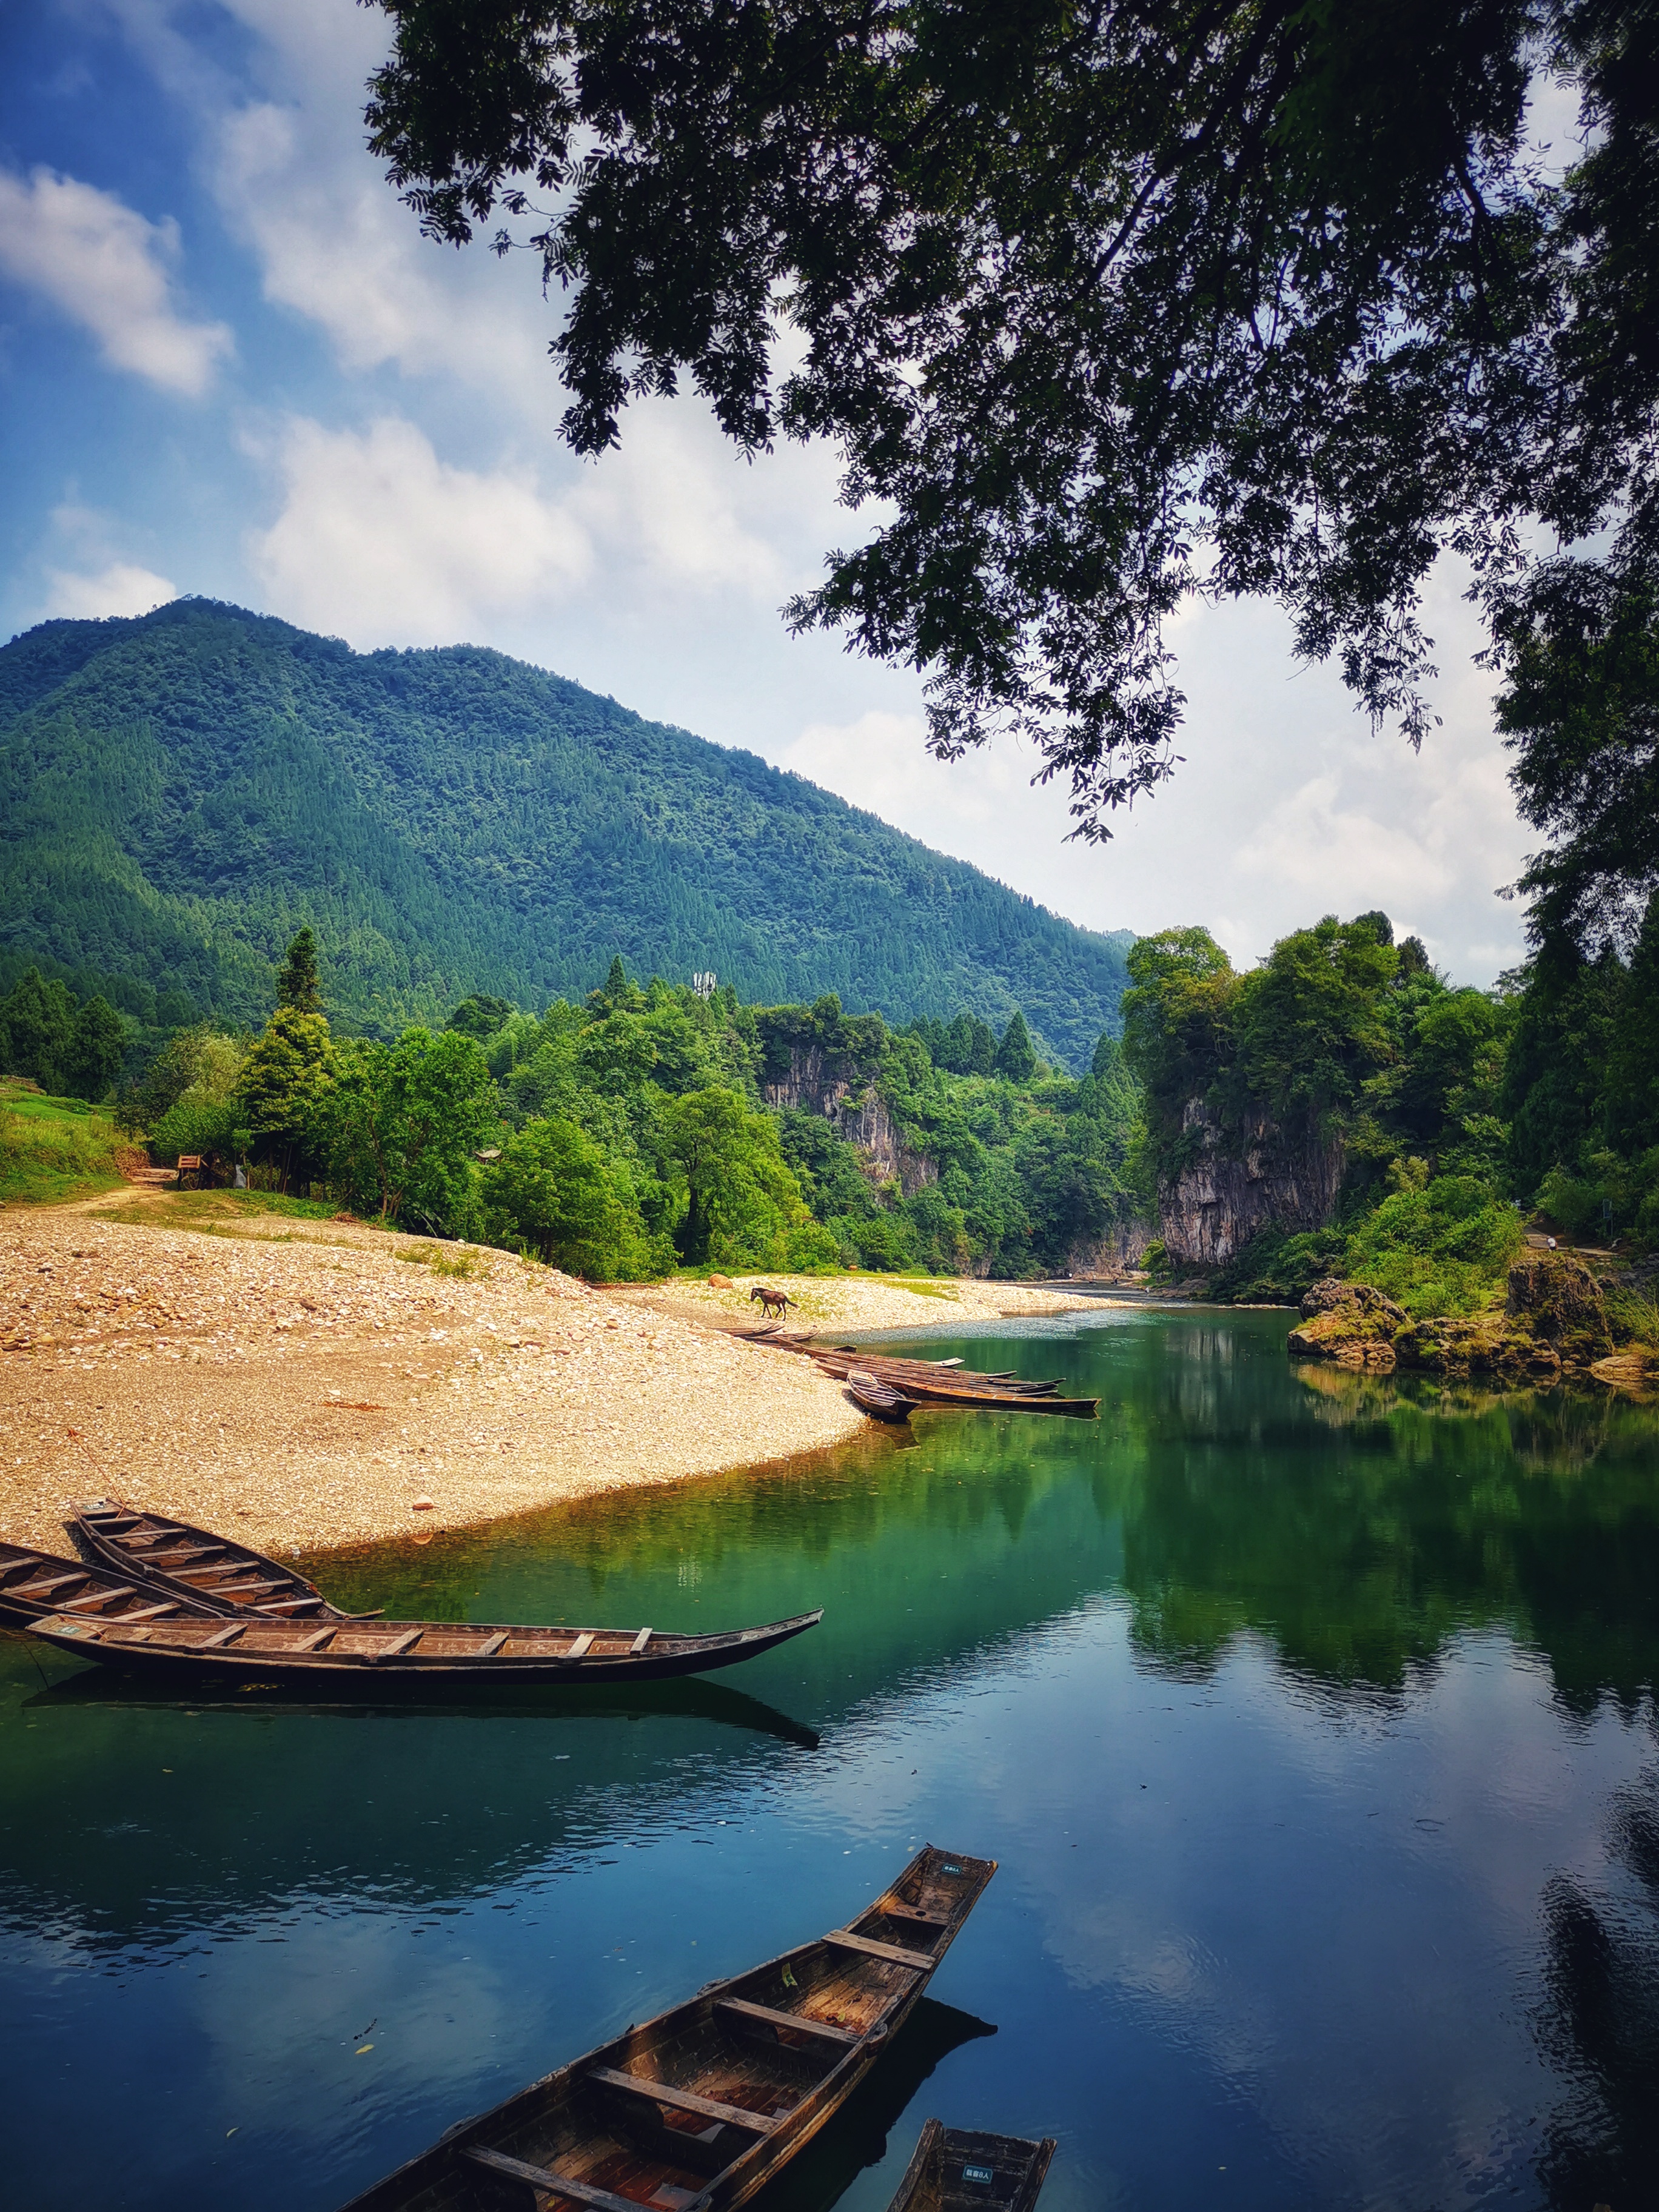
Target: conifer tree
<point x="1015" y="1056"/>
<point x="297" y="983"/>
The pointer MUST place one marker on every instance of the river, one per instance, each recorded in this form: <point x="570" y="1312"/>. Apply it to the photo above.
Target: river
<point x="1311" y="1718"/>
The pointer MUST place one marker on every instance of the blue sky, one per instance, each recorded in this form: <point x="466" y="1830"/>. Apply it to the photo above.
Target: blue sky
<point x="229" y="364"/>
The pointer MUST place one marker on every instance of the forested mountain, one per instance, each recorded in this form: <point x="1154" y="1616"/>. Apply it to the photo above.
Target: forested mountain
<point x="180" y="793"/>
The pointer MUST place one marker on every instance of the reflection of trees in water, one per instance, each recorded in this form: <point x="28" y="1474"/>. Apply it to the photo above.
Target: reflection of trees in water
<point x="1599" y="2022"/>
<point x="1357" y="1523"/>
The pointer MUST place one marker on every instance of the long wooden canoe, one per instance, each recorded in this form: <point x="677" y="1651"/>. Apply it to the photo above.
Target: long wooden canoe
<point x="32" y="1582"/>
<point x="694" y="2110"/>
<point x="174" y="1558"/>
<point x="438" y="1657"/>
<point x="955" y="2169"/>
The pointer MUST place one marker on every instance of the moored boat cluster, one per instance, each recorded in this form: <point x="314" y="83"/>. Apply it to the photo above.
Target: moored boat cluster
<point x="693" y="2112"/>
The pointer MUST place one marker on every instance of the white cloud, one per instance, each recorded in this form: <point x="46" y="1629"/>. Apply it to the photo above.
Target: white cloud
<point x="380" y="542"/>
<point x="122" y="588"/>
<point x="107" y="268"/>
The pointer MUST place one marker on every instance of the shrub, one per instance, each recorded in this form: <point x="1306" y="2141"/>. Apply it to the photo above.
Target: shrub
<point x="195" y="1123"/>
<point x="554" y="1188"/>
<point x="1440" y="1250"/>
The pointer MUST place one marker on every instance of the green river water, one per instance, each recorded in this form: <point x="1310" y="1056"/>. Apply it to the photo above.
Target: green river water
<point x="1311" y="1718"/>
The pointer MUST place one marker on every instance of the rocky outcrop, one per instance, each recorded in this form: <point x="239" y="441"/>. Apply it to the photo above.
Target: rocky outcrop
<point x="1237" y="1185"/>
<point x="821" y="1080"/>
<point x="1553" y="1322"/>
<point x="1349" y="1322"/>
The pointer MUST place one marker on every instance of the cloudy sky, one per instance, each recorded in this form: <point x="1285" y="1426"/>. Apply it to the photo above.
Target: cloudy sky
<point x="229" y="364"/>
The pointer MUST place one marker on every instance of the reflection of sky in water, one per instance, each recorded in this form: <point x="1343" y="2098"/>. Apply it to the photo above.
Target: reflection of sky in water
<point x="1256" y="1690"/>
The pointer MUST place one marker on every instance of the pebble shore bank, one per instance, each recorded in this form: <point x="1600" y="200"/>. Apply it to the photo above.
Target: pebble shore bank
<point x="305" y="1384"/>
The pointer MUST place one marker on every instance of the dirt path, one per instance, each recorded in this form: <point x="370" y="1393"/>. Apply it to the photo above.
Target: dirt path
<point x="304" y="1384"/>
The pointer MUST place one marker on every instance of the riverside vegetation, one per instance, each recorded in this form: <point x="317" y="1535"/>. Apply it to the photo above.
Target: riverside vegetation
<point x="1395" y="1130"/>
<point x="647" y="1126"/>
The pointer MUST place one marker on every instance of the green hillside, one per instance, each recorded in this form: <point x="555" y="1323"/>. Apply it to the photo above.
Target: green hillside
<point x="180" y="793"/>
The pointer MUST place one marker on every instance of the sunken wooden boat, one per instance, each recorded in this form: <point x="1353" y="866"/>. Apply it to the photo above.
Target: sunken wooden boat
<point x="181" y="1561"/>
<point x="955" y="2168"/>
<point x="32" y="1582"/>
<point x="436" y="1658"/>
<point x="877" y="1398"/>
<point x="697" y="2109"/>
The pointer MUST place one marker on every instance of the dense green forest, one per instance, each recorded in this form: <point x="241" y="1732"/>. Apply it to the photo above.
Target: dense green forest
<point x="1455" y="1112"/>
<point x="648" y="1126"/>
<point x="180" y="793"/>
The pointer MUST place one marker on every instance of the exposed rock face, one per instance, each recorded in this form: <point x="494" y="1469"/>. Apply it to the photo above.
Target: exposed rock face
<point x="1558" y="1299"/>
<point x="1232" y="1189"/>
<point x="832" y="1083"/>
<point x="1122" y="1248"/>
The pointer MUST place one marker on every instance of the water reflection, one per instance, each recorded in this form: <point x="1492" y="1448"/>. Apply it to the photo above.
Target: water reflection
<point x="1311" y="1714"/>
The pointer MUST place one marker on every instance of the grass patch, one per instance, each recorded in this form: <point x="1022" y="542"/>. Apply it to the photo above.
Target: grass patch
<point x="462" y="1266"/>
<point x="218" y="1210"/>
<point x="53" y="1149"/>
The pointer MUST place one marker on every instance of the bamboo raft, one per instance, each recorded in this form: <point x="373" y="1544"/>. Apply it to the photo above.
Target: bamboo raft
<point x="954" y="2169"/>
<point x="32" y="1582"/>
<point x="697" y="2109"/>
<point x="173" y="1557"/>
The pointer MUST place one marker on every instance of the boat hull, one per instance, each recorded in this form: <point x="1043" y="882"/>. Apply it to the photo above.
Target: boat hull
<point x="954" y="2169"/>
<point x="258" y="1655"/>
<point x="774" y="2054"/>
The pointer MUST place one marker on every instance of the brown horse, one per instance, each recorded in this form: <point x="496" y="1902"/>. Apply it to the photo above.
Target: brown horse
<point x="771" y="1302"/>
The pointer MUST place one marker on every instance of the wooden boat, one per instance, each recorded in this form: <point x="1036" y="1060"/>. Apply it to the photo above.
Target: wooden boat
<point x="942" y="1370"/>
<point x="929" y="1387"/>
<point x="879" y="1400"/>
<point x="953" y="2169"/>
<point x="694" y="2110"/>
<point x="173" y="1557"/>
<point x="437" y="1657"/>
<point x="32" y="1581"/>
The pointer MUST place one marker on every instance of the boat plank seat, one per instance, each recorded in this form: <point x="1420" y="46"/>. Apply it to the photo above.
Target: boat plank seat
<point x="844" y="1940"/>
<point x="539" y="2179"/>
<point x="98" y="1597"/>
<point x="50" y="1582"/>
<point x="221" y="1637"/>
<point x="491" y="1646"/>
<point x="684" y="2101"/>
<point x="639" y="1644"/>
<point x="895" y="1911"/>
<point x="317" y="1639"/>
<point x="795" y="2021"/>
<point x="150" y="1612"/>
<point x="582" y="1646"/>
<point x="399" y="1644"/>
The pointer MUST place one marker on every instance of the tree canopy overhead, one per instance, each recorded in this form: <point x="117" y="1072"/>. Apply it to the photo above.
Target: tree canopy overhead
<point x="1104" y="305"/>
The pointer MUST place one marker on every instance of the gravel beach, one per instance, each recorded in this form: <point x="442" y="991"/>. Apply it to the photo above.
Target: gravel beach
<point x="304" y="1384"/>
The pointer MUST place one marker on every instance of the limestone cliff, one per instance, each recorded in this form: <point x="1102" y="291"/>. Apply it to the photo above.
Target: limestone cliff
<point x="1236" y="1185"/>
<point x="823" y="1080"/>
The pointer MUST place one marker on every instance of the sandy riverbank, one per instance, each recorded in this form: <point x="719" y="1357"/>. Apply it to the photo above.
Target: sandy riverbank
<point x="302" y="1383"/>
